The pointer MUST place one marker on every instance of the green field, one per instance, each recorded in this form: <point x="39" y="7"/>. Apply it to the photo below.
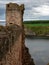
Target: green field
<point x="39" y="24"/>
<point x="38" y="28"/>
<point x="36" y="23"/>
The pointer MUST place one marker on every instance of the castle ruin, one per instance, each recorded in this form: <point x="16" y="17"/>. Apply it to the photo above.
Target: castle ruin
<point x="12" y="48"/>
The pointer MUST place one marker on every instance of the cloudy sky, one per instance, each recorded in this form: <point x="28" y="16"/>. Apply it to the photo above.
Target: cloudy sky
<point x="34" y="9"/>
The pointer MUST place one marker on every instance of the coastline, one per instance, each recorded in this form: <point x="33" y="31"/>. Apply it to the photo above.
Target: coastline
<point x="36" y="37"/>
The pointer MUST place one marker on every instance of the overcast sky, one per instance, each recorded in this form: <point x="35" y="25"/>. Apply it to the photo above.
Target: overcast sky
<point x="34" y="9"/>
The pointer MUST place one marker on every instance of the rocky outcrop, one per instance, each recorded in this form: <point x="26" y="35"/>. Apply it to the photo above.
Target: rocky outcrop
<point x="26" y="57"/>
<point x="8" y="37"/>
<point x="27" y="60"/>
<point x="48" y="64"/>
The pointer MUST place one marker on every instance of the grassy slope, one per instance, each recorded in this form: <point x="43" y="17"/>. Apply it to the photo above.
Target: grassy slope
<point x="30" y="25"/>
<point x="38" y="27"/>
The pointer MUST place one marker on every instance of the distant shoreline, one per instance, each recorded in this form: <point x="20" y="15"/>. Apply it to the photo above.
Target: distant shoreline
<point x="37" y="37"/>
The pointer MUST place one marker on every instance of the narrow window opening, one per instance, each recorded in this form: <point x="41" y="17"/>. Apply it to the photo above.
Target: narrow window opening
<point x="8" y="5"/>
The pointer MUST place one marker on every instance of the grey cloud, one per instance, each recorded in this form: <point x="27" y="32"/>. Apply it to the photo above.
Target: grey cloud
<point x="44" y="17"/>
<point x="29" y="8"/>
<point x="36" y="3"/>
<point x="2" y="9"/>
<point x="2" y="16"/>
<point x="2" y="12"/>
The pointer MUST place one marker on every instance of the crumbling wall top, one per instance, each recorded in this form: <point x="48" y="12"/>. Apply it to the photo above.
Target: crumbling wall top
<point x="15" y="6"/>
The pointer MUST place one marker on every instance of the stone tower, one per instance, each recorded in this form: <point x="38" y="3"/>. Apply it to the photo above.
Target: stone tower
<point x="14" y="15"/>
<point x="12" y="48"/>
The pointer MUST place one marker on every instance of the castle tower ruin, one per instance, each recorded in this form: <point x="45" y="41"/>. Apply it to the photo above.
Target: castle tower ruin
<point x="14" y="15"/>
<point x="12" y="48"/>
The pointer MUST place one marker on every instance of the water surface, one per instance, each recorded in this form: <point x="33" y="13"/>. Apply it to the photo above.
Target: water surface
<point x="39" y="50"/>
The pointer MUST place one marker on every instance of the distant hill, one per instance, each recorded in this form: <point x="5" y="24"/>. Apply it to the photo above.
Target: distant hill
<point x="36" y="21"/>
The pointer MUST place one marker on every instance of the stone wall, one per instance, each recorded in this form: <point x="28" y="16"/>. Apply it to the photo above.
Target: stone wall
<point x="14" y="14"/>
<point x="12" y="38"/>
<point x="9" y="44"/>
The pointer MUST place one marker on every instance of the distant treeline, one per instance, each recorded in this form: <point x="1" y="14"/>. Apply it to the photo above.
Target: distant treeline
<point x="36" y="21"/>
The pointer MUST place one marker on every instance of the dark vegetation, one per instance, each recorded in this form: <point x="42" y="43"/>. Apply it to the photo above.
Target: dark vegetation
<point x="36" y="21"/>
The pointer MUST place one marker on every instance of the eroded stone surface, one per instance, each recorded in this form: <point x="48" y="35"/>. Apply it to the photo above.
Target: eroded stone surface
<point x="13" y="32"/>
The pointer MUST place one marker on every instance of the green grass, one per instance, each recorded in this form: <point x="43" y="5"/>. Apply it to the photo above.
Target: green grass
<point x="39" y="28"/>
<point x="30" y="25"/>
